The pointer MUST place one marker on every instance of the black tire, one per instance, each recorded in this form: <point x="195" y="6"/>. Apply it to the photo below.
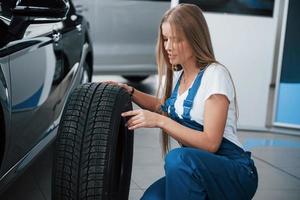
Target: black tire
<point x="135" y="79"/>
<point x="94" y="149"/>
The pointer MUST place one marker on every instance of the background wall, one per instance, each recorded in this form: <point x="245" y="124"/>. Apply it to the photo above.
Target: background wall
<point x="245" y="44"/>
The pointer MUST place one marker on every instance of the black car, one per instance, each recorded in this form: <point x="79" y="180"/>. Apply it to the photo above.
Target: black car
<point x="45" y="52"/>
<point x="45" y="57"/>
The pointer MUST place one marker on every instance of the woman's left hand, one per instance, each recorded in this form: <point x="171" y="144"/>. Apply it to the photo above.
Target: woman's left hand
<point x="141" y="119"/>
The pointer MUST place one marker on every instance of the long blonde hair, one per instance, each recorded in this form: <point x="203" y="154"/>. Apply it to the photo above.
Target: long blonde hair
<point x="188" y="20"/>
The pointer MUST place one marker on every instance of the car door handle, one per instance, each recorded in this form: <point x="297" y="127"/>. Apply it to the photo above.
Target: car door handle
<point x="79" y="27"/>
<point x="56" y="36"/>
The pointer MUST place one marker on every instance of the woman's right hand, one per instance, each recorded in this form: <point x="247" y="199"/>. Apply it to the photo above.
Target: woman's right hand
<point x="123" y="85"/>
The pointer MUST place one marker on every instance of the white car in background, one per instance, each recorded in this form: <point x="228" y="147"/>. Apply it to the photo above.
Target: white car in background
<point x="124" y="35"/>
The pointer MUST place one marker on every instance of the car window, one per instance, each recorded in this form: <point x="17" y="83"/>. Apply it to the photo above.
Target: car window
<point x="45" y="3"/>
<point x="7" y="5"/>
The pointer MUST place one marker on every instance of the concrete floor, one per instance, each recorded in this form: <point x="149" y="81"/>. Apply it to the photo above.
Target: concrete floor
<point x="277" y="157"/>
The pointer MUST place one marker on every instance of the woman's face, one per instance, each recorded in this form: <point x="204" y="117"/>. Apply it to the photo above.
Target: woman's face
<point x="178" y="49"/>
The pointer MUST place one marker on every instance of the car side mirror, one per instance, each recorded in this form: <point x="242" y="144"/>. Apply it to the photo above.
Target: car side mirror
<point x="42" y="11"/>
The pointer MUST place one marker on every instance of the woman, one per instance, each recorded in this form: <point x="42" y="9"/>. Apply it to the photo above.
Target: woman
<point x="200" y="112"/>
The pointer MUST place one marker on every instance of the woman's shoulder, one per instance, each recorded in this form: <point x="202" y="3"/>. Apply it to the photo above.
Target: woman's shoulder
<point x="216" y="69"/>
<point x="216" y="80"/>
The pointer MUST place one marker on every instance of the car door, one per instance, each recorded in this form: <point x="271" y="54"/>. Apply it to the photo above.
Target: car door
<point x="73" y="37"/>
<point x="72" y="40"/>
<point x="34" y="58"/>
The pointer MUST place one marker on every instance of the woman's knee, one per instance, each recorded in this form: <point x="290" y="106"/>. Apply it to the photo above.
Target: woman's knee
<point x="174" y="159"/>
<point x="187" y="157"/>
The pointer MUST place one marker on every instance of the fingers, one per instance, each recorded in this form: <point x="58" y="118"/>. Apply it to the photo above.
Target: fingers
<point x="135" y="124"/>
<point x="139" y="125"/>
<point x="131" y="113"/>
<point x="135" y="121"/>
<point x="132" y="119"/>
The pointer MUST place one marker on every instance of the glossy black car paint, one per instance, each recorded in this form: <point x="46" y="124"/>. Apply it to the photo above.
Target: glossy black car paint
<point x="41" y="60"/>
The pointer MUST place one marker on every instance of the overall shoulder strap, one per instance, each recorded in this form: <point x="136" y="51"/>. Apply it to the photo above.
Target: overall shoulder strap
<point x="188" y="102"/>
<point x="171" y="100"/>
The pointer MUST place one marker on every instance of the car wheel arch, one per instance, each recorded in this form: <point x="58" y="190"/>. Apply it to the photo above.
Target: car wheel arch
<point x="89" y="61"/>
<point x="89" y="57"/>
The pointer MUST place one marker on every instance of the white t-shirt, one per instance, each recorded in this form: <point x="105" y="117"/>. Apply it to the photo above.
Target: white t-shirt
<point x="215" y="80"/>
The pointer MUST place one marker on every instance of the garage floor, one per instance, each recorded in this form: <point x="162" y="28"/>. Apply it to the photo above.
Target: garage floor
<point x="277" y="158"/>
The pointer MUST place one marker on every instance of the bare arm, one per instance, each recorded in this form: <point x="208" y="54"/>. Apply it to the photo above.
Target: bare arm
<point x="146" y="101"/>
<point x="215" y="115"/>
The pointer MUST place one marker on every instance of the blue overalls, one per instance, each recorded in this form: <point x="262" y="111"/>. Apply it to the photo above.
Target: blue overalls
<point x="195" y="174"/>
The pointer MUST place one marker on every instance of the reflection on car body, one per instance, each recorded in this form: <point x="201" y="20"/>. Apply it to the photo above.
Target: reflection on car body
<point x="45" y="52"/>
